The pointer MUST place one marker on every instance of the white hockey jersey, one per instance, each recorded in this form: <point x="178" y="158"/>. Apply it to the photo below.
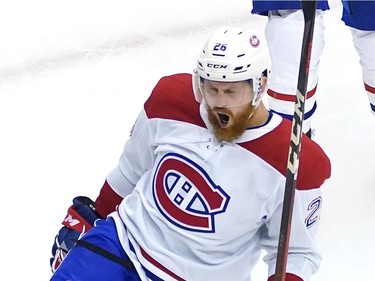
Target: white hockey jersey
<point x="199" y="209"/>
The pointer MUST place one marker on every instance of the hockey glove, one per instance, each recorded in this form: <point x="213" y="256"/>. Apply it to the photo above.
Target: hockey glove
<point x="79" y="219"/>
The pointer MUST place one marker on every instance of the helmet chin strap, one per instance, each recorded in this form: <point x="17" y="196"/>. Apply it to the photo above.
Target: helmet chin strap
<point x="252" y="112"/>
<point x="257" y="99"/>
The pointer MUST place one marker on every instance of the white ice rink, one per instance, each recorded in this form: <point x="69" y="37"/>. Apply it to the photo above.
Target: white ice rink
<point x="73" y="77"/>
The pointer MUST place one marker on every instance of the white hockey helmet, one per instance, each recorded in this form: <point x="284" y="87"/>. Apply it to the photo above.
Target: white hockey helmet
<point x="232" y="55"/>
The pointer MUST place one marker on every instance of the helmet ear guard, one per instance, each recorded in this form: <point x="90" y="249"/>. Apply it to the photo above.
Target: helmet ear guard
<point x="196" y="86"/>
<point x="261" y="89"/>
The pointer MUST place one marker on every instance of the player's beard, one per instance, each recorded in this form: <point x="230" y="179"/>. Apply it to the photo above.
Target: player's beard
<point x="233" y="131"/>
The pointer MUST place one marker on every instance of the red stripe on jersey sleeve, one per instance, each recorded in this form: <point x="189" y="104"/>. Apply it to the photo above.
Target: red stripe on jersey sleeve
<point x="107" y="200"/>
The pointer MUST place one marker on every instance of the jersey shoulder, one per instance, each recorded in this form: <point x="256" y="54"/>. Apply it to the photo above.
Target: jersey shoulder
<point x="173" y="98"/>
<point x="273" y="147"/>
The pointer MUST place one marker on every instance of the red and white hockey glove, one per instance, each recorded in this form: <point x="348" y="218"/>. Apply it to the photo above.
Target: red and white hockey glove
<point x="79" y="219"/>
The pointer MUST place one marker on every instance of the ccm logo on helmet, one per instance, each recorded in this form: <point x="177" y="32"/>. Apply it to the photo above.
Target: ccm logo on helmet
<point x="217" y="66"/>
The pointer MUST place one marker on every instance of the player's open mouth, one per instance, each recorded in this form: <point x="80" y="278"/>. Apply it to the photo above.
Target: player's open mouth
<point x="223" y="119"/>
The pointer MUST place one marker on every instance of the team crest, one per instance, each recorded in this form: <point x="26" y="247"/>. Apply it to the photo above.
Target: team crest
<point x="186" y="196"/>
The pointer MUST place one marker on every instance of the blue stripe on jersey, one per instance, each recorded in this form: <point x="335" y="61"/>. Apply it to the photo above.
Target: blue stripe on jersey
<point x="307" y="115"/>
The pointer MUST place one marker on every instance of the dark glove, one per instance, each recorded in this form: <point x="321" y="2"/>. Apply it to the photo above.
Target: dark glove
<point x="79" y="219"/>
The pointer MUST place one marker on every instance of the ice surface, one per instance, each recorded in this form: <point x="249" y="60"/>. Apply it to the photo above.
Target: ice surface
<point x="73" y="77"/>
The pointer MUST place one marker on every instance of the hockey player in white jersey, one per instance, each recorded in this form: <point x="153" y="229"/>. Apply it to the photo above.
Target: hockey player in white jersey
<point x="284" y="31"/>
<point x="284" y="35"/>
<point x="198" y="190"/>
<point x="359" y="17"/>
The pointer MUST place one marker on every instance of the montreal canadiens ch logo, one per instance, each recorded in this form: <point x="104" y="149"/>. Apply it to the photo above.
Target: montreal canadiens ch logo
<point x="185" y="194"/>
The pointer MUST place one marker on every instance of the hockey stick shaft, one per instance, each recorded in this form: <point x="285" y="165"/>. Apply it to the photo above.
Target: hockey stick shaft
<point x="308" y="8"/>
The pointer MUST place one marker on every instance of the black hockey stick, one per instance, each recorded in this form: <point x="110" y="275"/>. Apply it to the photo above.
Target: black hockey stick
<point x="308" y="8"/>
